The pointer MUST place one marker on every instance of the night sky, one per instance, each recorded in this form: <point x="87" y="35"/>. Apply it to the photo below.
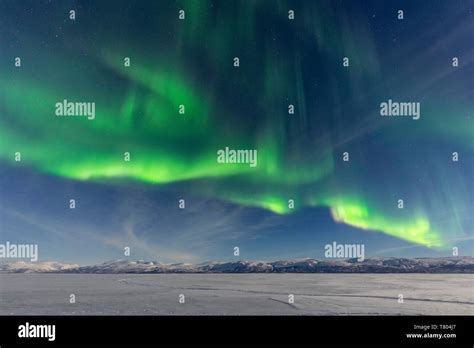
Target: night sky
<point x="282" y="62"/>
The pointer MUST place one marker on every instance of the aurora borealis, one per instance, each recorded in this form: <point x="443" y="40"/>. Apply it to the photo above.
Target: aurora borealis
<point x="187" y="65"/>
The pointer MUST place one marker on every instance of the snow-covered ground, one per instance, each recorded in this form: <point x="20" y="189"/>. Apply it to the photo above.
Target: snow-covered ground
<point x="236" y="294"/>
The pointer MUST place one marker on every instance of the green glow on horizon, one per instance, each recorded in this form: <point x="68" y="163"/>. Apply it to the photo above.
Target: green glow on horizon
<point x="416" y="230"/>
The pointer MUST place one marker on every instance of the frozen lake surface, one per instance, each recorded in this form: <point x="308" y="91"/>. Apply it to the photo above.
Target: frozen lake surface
<point x="236" y="294"/>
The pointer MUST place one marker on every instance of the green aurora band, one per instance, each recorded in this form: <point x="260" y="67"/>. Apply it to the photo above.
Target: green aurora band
<point x="141" y="117"/>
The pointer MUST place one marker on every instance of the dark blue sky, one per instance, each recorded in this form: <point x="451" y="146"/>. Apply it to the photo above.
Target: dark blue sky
<point x="282" y="62"/>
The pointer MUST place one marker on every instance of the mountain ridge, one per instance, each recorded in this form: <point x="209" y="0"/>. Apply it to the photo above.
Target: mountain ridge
<point x="463" y="264"/>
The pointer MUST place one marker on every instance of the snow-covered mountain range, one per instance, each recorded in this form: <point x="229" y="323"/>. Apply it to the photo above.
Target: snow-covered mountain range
<point x="370" y="265"/>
